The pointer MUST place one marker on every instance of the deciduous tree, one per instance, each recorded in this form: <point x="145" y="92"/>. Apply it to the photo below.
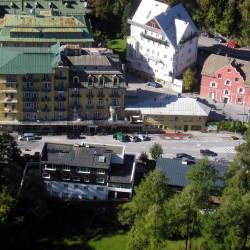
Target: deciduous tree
<point x="156" y="150"/>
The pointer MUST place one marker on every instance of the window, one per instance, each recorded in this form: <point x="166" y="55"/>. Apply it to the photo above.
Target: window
<point x="228" y="82"/>
<point x="50" y="167"/>
<point x="100" y="102"/>
<point x="220" y="76"/>
<point x="176" y="118"/>
<point x="226" y="92"/>
<point x="156" y="118"/>
<point x="86" y="179"/>
<point x="101" y="81"/>
<point x="66" y="186"/>
<point x="90" y="81"/>
<point x="86" y="187"/>
<point x="239" y="100"/>
<point x="213" y="84"/>
<point x="189" y="50"/>
<point x="199" y="119"/>
<point x="66" y="168"/>
<point x="115" y="80"/>
<point x="65" y="177"/>
<point x="100" y="189"/>
<point x="237" y="79"/>
<point x="83" y="170"/>
<point x="188" y="119"/>
<point x="46" y="176"/>
<point x="76" y="186"/>
<point x="146" y="118"/>
<point x="229" y="71"/>
<point x="65" y="195"/>
<point x="76" y="178"/>
<point x="241" y="90"/>
<point x="74" y="195"/>
<point x="152" y="24"/>
<point x="171" y="118"/>
<point x="99" y="180"/>
<point x="49" y="184"/>
<point x="100" y="171"/>
<point x="89" y="102"/>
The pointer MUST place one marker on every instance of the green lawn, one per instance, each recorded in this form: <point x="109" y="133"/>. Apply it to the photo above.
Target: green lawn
<point x="118" y="47"/>
<point x="115" y="242"/>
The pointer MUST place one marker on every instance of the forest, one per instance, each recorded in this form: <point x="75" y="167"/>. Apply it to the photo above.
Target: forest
<point x="227" y="18"/>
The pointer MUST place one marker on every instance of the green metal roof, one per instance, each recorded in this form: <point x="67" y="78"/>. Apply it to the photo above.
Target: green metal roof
<point x="28" y="60"/>
<point x="28" y="28"/>
<point x="63" y="7"/>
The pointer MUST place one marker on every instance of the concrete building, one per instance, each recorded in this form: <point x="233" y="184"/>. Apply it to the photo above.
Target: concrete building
<point x="163" y="42"/>
<point x="226" y="80"/>
<point x="43" y="23"/>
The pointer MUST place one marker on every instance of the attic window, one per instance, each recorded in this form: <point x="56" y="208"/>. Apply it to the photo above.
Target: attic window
<point x="101" y="159"/>
<point x="152" y="24"/>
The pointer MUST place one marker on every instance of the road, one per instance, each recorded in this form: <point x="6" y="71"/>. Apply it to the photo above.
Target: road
<point x="220" y="143"/>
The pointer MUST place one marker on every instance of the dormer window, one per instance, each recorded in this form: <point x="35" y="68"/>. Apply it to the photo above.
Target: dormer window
<point x="115" y="81"/>
<point x="76" y="80"/>
<point x="229" y="71"/>
<point x="101" y="81"/>
<point x="237" y="79"/>
<point x="90" y="81"/>
<point x="152" y="24"/>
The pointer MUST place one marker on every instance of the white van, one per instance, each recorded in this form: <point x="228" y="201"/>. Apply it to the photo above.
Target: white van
<point x="26" y="137"/>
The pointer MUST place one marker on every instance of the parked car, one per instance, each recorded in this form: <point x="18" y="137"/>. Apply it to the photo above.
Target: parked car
<point x="153" y="84"/>
<point x="120" y="137"/>
<point x="219" y="39"/>
<point x="183" y="155"/>
<point x="27" y="137"/>
<point x="133" y="138"/>
<point x="232" y="44"/>
<point x="71" y="136"/>
<point x="208" y="152"/>
<point x="207" y="34"/>
<point x="143" y="137"/>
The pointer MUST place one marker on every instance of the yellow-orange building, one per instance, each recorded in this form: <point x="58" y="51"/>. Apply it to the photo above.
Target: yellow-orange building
<point x="169" y="114"/>
<point x="45" y="89"/>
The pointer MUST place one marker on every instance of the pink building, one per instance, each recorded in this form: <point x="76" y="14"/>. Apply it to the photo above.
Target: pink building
<point x="226" y="79"/>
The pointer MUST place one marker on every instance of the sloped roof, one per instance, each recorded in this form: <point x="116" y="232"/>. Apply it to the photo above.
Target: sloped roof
<point x="147" y="10"/>
<point x="171" y="105"/>
<point x="27" y="60"/>
<point x="176" y="172"/>
<point x="216" y="62"/>
<point x="65" y="154"/>
<point x="175" y="19"/>
<point x="90" y="60"/>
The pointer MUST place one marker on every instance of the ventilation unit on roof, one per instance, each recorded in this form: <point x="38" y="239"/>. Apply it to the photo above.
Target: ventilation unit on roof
<point x="148" y="14"/>
<point x="101" y="158"/>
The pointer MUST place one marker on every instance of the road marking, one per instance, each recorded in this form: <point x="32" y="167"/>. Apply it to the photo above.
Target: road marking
<point x="223" y="149"/>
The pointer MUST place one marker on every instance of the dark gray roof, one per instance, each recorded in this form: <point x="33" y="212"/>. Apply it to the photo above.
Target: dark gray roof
<point x="122" y="173"/>
<point x="176" y="171"/>
<point x="65" y="154"/>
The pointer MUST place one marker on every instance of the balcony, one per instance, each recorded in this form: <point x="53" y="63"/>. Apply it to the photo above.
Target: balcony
<point x="12" y="80"/>
<point x="45" y="99"/>
<point x="9" y="100"/>
<point x="28" y="109"/>
<point x="27" y="79"/>
<point x="60" y="77"/>
<point x="100" y="95"/>
<point x="45" y="109"/>
<point x="60" y="98"/>
<point x="115" y="95"/>
<point x="8" y="90"/>
<point x="30" y="99"/>
<point x="46" y="89"/>
<point x="60" y="88"/>
<point x="10" y="110"/>
<point x="60" y="108"/>
<point x="89" y="95"/>
<point x="154" y="39"/>
<point x="89" y="106"/>
<point x="30" y="89"/>
<point x="75" y="94"/>
<point x="46" y="80"/>
<point x="76" y="106"/>
<point x="100" y="106"/>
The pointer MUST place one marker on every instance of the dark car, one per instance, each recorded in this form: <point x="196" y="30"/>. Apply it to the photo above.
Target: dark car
<point x="73" y="136"/>
<point x="208" y="152"/>
<point x="219" y="39"/>
<point x="207" y="34"/>
<point x="183" y="155"/>
<point x="153" y="84"/>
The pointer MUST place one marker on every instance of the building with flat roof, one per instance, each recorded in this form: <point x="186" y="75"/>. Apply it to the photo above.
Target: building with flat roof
<point x="87" y="171"/>
<point x="169" y="114"/>
<point x="43" y="23"/>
